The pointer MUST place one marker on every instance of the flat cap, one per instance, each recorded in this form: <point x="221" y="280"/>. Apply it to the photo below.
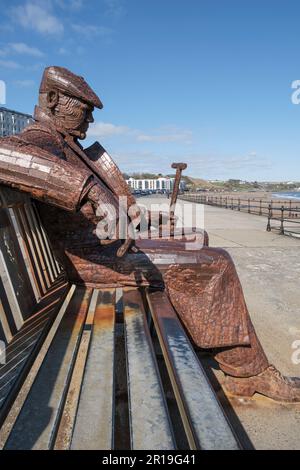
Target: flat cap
<point x="62" y="79"/>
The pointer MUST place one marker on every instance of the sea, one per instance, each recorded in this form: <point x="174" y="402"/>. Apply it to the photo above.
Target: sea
<point x="287" y="195"/>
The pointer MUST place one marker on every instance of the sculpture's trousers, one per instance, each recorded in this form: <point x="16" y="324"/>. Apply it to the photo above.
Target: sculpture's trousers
<point x="209" y="299"/>
<point x="202" y="285"/>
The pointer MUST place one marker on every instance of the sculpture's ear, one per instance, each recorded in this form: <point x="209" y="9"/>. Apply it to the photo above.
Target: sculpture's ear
<point x="52" y="98"/>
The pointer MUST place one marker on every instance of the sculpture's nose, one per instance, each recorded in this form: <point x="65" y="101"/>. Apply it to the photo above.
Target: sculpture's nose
<point x="89" y="116"/>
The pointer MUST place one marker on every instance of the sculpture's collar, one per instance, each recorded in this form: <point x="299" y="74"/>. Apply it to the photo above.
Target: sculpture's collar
<point x="41" y="116"/>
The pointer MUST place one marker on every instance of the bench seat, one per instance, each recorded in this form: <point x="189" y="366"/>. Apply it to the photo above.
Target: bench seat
<point x="67" y="399"/>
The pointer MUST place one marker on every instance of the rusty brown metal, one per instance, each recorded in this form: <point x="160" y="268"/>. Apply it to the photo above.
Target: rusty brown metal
<point x="179" y="168"/>
<point x="47" y="162"/>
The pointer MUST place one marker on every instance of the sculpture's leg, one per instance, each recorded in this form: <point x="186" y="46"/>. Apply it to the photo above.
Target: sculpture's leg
<point x="243" y="361"/>
<point x="210" y="302"/>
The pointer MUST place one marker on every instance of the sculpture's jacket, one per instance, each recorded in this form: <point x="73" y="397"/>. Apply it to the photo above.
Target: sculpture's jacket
<point x="202" y="284"/>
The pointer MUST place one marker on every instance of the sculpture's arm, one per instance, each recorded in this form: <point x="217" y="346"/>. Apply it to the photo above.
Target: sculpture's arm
<point x="42" y="175"/>
<point x="103" y="165"/>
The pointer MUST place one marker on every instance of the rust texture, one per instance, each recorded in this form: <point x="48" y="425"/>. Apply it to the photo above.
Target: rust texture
<point x="179" y="168"/>
<point x="48" y="162"/>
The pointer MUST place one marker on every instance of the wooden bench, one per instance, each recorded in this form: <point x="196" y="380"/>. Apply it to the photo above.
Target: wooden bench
<point x="93" y="368"/>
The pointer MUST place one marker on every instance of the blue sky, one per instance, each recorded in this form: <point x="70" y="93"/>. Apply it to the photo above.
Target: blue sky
<point x="202" y="81"/>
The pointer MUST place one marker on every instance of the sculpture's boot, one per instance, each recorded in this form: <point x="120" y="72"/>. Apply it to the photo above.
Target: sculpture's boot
<point x="243" y="361"/>
<point x="270" y="383"/>
<point x="248" y="371"/>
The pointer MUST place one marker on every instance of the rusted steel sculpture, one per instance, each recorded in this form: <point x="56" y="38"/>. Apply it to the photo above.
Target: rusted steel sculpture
<point x="70" y="184"/>
<point x="179" y="168"/>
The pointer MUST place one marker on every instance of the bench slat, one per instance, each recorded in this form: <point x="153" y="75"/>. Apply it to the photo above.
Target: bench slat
<point x="64" y="433"/>
<point x="31" y="249"/>
<point x="94" y="426"/>
<point x="23" y="248"/>
<point x="205" y="424"/>
<point x="31" y="372"/>
<point x="53" y="262"/>
<point x="39" y="251"/>
<point x="36" y="424"/>
<point x="36" y="227"/>
<point x="149" y="419"/>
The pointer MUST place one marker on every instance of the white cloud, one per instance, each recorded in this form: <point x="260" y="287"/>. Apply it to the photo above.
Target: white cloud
<point x="167" y="134"/>
<point x="163" y="135"/>
<point x="22" y="48"/>
<point x="37" y="16"/>
<point x="219" y="166"/>
<point x="114" y="8"/>
<point x="89" y="31"/>
<point x="24" y="83"/>
<point x="70" y="4"/>
<point x="6" y="28"/>
<point x="105" y="129"/>
<point x="10" y="64"/>
<point x="63" y="51"/>
<point x="199" y="165"/>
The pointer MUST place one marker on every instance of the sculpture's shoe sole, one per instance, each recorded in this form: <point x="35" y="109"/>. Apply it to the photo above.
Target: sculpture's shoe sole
<point x="240" y="388"/>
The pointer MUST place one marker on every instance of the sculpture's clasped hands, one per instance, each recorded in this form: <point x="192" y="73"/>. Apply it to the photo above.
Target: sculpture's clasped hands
<point x="112" y="219"/>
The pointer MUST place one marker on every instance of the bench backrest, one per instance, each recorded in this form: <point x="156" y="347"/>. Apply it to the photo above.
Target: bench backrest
<point x="27" y="265"/>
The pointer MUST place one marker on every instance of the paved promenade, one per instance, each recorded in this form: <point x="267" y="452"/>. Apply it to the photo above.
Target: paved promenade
<point x="269" y="268"/>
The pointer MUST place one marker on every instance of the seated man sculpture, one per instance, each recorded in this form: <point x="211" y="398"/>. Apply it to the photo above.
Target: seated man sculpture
<point x="69" y="184"/>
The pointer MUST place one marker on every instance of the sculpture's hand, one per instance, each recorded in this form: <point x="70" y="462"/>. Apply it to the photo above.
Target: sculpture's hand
<point x="107" y="211"/>
<point x="109" y="214"/>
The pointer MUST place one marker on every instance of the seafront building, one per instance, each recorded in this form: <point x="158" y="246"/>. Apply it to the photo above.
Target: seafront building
<point x="155" y="184"/>
<point x="13" y="122"/>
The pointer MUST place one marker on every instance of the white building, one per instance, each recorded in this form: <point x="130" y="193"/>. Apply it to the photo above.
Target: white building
<point x="13" y="122"/>
<point x="155" y="184"/>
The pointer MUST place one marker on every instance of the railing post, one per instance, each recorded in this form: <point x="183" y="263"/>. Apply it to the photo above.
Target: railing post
<point x="226" y="202"/>
<point x="271" y="208"/>
<point x="249" y="206"/>
<point x="260" y="207"/>
<point x="282" y="219"/>
<point x="290" y="211"/>
<point x="269" y="219"/>
<point x="239" y="204"/>
<point x="232" y="203"/>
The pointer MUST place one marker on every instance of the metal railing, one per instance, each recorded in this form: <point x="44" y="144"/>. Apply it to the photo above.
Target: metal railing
<point x="285" y="212"/>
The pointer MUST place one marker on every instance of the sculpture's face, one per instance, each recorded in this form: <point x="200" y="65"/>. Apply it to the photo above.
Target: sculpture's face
<point x="74" y="114"/>
<point x="70" y="113"/>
